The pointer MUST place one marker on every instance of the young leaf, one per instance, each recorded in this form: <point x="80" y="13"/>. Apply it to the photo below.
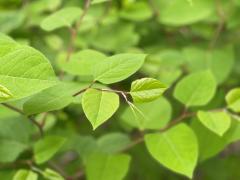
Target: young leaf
<point x="46" y="148"/>
<point x="146" y="89"/>
<point x="118" y="67"/>
<point x="5" y="93"/>
<point x="99" y="106"/>
<point x="107" y="167"/>
<point x="176" y="149"/>
<point x="233" y="99"/>
<point x="196" y="89"/>
<point x="82" y="63"/>
<point x="54" y="98"/>
<point x="25" y="175"/>
<point x="218" y="122"/>
<point x="62" y="18"/>
<point x="23" y="70"/>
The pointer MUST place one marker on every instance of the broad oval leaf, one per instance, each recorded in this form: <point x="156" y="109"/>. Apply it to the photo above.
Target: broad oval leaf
<point x="196" y="89"/>
<point x="62" y="18"/>
<point x="82" y="63"/>
<point x="218" y="122"/>
<point x="118" y="67"/>
<point x="107" y="167"/>
<point x="146" y="89"/>
<point x="233" y="99"/>
<point x="46" y="148"/>
<point x="23" y="70"/>
<point x="99" y="106"/>
<point x="176" y="149"/>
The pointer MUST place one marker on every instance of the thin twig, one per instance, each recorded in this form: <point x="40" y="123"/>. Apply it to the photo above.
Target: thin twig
<point x="83" y="90"/>
<point x="73" y="35"/>
<point x="220" y="26"/>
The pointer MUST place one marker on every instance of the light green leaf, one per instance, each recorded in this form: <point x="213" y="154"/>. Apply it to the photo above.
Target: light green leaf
<point x="146" y="89"/>
<point x="107" y="167"/>
<point x="196" y="89"/>
<point x="62" y="18"/>
<point x="25" y="175"/>
<point x="82" y="63"/>
<point x="5" y="93"/>
<point x="99" y="106"/>
<point x="46" y="148"/>
<point x="154" y="118"/>
<point x="178" y="12"/>
<point x="233" y="99"/>
<point x="54" y="98"/>
<point x="49" y="174"/>
<point x="218" y="122"/>
<point x="23" y="70"/>
<point x="118" y="67"/>
<point x="176" y="149"/>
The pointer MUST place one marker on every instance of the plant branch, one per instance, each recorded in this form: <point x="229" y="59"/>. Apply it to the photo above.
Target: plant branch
<point x="220" y="26"/>
<point x="13" y="108"/>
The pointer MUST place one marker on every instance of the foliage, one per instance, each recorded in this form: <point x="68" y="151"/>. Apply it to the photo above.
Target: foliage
<point x="125" y="89"/>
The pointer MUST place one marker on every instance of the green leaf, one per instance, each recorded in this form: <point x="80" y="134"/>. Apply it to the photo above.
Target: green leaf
<point x="218" y="122"/>
<point x="149" y="118"/>
<point x="107" y="167"/>
<point x="219" y="61"/>
<point x="25" y="175"/>
<point x="233" y="99"/>
<point x="49" y="174"/>
<point x="118" y="67"/>
<point x="10" y="20"/>
<point x="62" y="18"/>
<point x="139" y="11"/>
<point x="5" y="93"/>
<point x="46" y="148"/>
<point x="98" y="1"/>
<point x="54" y="98"/>
<point x="196" y="89"/>
<point x="120" y="40"/>
<point x="146" y="89"/>
<point x="10" y="150"/>
<point x="176" y="149"/>
<point x="82" y="63"/>
<point x="99" y="106"/>
<point x="23" y="70"/>
<point x="14" y="132"/>
<point x="178" y="12"/>
<point x="113" y="142"/>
